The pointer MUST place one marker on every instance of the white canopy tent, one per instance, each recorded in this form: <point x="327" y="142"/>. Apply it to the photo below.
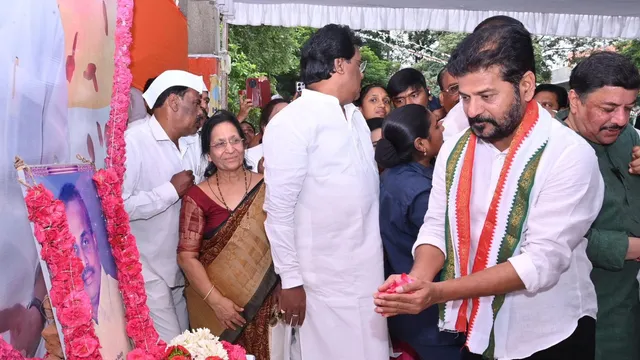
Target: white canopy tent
<point x="590" y="18"/>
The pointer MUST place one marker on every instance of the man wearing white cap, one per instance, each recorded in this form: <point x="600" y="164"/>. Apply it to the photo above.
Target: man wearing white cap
<point x="159" y="172"/>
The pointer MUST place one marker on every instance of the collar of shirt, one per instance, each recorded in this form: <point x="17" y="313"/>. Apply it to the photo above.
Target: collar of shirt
<point x="160" y="135"/>
<point x="307" y="94"/>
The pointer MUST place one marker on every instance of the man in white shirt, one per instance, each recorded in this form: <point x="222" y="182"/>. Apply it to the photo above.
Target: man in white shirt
<point x="322" y="206"/>
<point x="512" y="200"/>
<point x="159" y="172"/>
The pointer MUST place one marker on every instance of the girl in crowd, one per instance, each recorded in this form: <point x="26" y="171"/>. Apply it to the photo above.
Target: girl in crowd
<point x="223" y="248"/>
<point x="411" y="138"/>
<point x="374" y="102"/>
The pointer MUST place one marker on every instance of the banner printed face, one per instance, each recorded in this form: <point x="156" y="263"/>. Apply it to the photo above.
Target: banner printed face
<point x="73" y="185"/>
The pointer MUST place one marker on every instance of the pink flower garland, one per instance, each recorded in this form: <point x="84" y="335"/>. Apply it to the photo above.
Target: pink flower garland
<point x="67" y="288"/>
<point x="109" y="185"/>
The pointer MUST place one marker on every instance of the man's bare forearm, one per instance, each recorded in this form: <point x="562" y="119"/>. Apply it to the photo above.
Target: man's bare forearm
<point x="496" y="280"/>
<point x="428" y="262"/>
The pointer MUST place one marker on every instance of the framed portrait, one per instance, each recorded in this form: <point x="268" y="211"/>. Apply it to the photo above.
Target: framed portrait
<point x="73" y="185"/>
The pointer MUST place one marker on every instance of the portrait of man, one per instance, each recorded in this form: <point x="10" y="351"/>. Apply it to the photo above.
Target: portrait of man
<point x="101" y="287"/>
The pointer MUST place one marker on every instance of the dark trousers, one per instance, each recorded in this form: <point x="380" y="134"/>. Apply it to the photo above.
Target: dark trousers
<point x="581" y="345"/>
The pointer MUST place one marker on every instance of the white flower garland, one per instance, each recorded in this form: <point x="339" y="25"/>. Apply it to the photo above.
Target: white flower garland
<point x="201" y="343"/>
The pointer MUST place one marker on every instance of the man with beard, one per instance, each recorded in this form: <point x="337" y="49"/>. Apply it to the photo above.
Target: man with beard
<point x="322" y="206"/>
<point x="159" y="172"/>
<point x="512" y="198"/>
<point x="603" y="91"/>
<point x="455" y="120"/>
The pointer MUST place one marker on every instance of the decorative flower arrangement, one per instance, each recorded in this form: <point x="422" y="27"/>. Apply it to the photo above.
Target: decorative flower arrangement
<point x="67" y="288"/>
<point x="201" y="344"/>
<point x="109" y="186"/>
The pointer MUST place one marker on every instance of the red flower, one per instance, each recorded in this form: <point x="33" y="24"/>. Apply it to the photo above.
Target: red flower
<point x="75" y="310"/>
<point x="139" y="354"/>
<point x="235" y="352"/>
<point x="213" y="358"/>
<point x="177" y="352"/>
<point x="85" y="346"/>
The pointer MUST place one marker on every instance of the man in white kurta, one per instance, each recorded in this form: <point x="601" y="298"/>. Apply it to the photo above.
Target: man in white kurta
<point x="159" y="170"/>
<point x="512" y="200"/>
<point x="322" y="210"/>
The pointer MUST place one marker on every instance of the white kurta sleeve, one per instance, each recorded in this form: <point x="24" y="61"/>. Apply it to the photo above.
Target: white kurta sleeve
<point x="567" y="205"/>
<point x="432" y="230"/>
<point x="144" y="204"/>
<point x="286" y="159"/>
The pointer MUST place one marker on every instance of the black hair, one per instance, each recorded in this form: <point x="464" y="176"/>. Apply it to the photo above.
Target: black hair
<point x="561" y="93"/>
<point x="404" y="79"/>
<point x="400" y="129"/>
<point x="375" y="123"/>
<point x="219" y="117"/>
<point x="498" y="20"/>
<point x="321" y="50"/>
<point x="250" y="124"/>
<point x="178" y="90"/>
<point x="265" y="115"/>
<point x="364" y="91"/>
<point x="68" y="193"/>
<point x="440" y="76"/>
<point x="509" y="47"/>
<point x="602" y="69"/>
<point x="148" y="84"/>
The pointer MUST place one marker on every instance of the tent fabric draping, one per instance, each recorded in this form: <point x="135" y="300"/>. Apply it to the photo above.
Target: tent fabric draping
<point x="589" y="18"/>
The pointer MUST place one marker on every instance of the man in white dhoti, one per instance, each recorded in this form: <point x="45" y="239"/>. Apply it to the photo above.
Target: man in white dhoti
<point x="159" y="172"/>
<point x="322" y="206"/>
<point x="512" y="200"/>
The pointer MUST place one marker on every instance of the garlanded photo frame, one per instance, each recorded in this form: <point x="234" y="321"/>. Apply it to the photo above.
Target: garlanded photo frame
<point x="99" y="298"/>
<point x="51" y="230"/>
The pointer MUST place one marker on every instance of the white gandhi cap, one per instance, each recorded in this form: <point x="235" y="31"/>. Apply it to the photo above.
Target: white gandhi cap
<point x="171" y="78"/>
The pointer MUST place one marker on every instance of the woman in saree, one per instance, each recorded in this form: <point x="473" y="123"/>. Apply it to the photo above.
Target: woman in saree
<point x="223" y="248"/>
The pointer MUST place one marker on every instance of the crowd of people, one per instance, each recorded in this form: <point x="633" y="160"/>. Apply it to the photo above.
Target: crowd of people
<point x="511" y="205"/>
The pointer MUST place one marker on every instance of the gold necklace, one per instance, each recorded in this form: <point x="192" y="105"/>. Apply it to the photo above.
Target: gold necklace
<point x="221" y="198"/>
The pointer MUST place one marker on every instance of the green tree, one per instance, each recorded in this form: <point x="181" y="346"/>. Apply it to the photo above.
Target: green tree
<point x="378" y="70"/>
<point x="630" y="48"/>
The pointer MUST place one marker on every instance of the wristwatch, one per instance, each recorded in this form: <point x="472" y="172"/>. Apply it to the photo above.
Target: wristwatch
<point x="36" y="303"/>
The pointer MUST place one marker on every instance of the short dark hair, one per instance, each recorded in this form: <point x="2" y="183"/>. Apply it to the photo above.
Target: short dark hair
<point x="602" y="69"/>
<point x="178" y="90"/>
<point x="400" y="129"/>
<point x="321" y="50"/>
<point x="408" y="78"/>
<point x="375" y="123"/>
<point x="148" y="84"/>
<point x="68" y="193"/>
<point x="219" y="117"/>
<point x="440" y="76"/>
<point x="561" y="93"/>
<point x="364" y="91"/>
<point x="509" y="47"/>
<point x="265" y="115"/>
<point x="498" y="20"/>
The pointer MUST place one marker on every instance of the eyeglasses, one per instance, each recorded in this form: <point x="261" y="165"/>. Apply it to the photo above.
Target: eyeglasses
<point x="363" y="66"/>
<point x="452" y="90"/>
<point x="220" y="145"/>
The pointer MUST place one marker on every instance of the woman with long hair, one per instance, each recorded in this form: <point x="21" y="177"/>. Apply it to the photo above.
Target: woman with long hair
<point x="223" y="248"/>
<point x="411" y="139"/>
<point x="374" y="102"/>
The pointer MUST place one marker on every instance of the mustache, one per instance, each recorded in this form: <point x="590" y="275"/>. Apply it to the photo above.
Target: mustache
<point x="476" y="120"/>
<point x="611" y="127"/>
<point x="88" y="271"/>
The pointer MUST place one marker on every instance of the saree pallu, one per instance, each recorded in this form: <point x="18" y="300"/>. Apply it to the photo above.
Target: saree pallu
<point x="237" y="259"/>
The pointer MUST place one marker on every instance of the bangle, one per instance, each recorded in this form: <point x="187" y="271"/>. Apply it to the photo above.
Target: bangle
<point x="206" y="296"/>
